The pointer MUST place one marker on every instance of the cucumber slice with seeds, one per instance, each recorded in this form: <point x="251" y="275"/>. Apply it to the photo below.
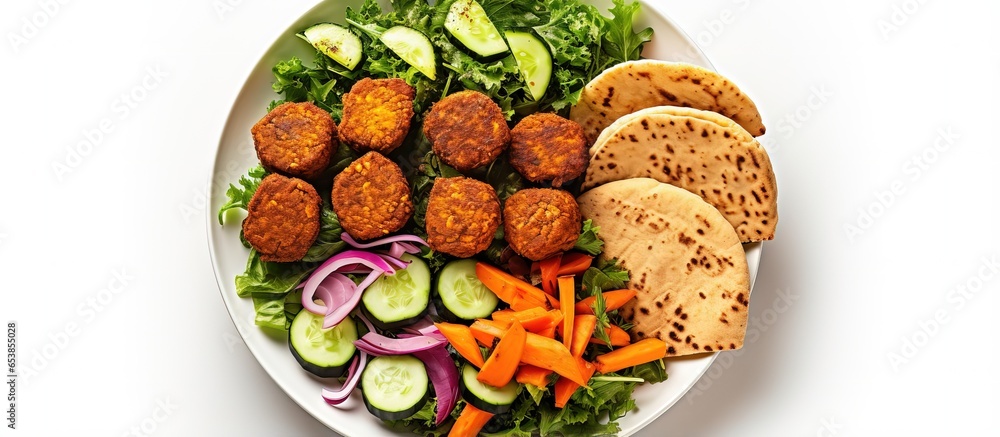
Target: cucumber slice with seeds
<point x="337" y="42"/>
<point x="533" y="60"/>
<point x="400" y="299"/>
<point x="394" y="387"/>
<point x="462" y="295"/>
<point x="413" y="47"/>
<point x="467" y="22"/>
<point x="496" y="400"/>
<point x="323" y="352"/>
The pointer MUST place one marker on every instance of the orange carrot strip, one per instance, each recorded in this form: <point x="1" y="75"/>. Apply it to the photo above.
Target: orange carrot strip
<point x="574" y="263"/>
<point x="551" y="319"/>
<point x="612" y="301"/>
<point x="565" y="388"/>
<point x="485" y="331"/>
<point x="617" y="335"/>
<point x="461" y="338"/>
<point x="549" y="354"/>
<point x="550" y="331"/>
<point x="499" y="314"/>
<point x="549" y="268"/>
<point x="533" y="319"/>
<point x="533" y="375"/>
<point x="583" y="330"/>
<point x="502" y="363"/>
<point x="566" y="297"/>
<point x="469" y="422"/>
<point x="510" y="315"/>
<point x="505" y="285"/>
<point x="637" y="353"/>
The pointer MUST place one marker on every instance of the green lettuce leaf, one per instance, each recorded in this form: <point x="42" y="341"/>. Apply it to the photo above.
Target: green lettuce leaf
<point x="589" y="242"/>
<point x="328" y="241"/>
<point x="239" y="197"/>
<point x="620" y="42"/>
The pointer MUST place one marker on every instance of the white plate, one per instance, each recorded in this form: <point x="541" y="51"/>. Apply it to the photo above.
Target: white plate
<point x="236" y="155"/>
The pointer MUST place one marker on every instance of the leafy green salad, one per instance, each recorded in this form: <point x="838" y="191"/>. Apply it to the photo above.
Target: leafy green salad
<point x="555" y="48"/>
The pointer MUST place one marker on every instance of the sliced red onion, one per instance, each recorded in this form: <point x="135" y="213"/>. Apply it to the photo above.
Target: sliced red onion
<point x="425" y="327"/>
<point x="409" y="247"/>
<point x="339" y="313"/>
<point x="396" y="250"/>
<point x="400" y="345"/>
<point x="351" y="258"/>
<point x="444" y="377"/>
<point x="345" y="237"/>
<point x="368" y="323"/>
<point x="338" y="396"/>
<point x="395" y="262"/>
<point x="332" y="291"/>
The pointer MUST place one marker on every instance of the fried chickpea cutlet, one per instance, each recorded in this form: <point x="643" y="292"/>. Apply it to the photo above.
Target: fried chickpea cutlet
<point x="377" y="114"/>
<point x="466" y="130"/>
<point x="295" y="139"/>
<point x="282" y="218"/>
<point x="540" y="222"/>
<point x="463" y="215"/>
<point x="371" y="197"/>
<point x="547" y="147"/>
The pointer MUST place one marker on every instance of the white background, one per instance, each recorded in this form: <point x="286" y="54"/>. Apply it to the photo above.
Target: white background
<point x="852" y="92"/>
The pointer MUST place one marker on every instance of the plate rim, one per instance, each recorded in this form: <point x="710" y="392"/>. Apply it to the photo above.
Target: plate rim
<point x="648" y="7"/>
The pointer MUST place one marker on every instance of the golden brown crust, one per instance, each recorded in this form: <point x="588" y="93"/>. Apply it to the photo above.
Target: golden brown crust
<point x="685" y="263"/>
<point x="282" y="218"/>
<point x="699" y="151"/>
<point x="540" y="222"/>
<point x="377" y="114"/>
<point x="467" y="130"/>
<point x="547" y="147"/>
<point x="371" y="197"/>
<point x="463" y="216"/>
<point x="295" y="139"/>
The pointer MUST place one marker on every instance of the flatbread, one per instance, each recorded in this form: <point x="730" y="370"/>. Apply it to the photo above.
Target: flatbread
<point x="686" y="264"/>
<point x="631" y="86"/>
<point x="700" y="151"/>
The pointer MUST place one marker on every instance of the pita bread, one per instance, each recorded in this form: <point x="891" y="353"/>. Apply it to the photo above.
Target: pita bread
<point x="700" y="151"/>
<point x="631" y="86"/>
<point x="686" y="264"/>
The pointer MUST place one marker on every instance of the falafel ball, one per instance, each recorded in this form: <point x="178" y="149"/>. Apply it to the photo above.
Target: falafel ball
<point x="282" y="218"/>
<point x="295" y="139"/>
<point x="377" y="114"/>
<point x="371" y="197"/>
<point x="541" y="222"/>
<point x="467" y="130"/>
<point x="547" y="147"/>
<point x="463" y="216"/>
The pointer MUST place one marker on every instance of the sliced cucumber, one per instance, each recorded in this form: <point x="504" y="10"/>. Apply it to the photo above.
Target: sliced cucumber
<point x="485" y="397"/>
<point x="394" y="387"/>
<point x="467" y="22"/>
<point x="413" y="47"/>
<point x="397" y="300"/>
<point x="461" y="296"/>
<point x="533" y="59"/>
<point x="323" y="352"/>
<point x="337" y="42"/>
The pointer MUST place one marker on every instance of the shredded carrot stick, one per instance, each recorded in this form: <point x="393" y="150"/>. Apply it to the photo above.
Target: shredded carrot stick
<point x="617" y="335"/>
<point x="566" y="296"/>
<point x="637" y="353"/>
<point x="583" y="330"/>
<point x="499" y="369"/>
<point x="612" y="301"/>
<point x="574" y="263"/>
<point x="469" y="422"/>
<point x="533" y="375"/>
<point x="461" y="338"/>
